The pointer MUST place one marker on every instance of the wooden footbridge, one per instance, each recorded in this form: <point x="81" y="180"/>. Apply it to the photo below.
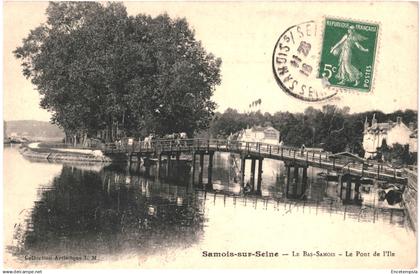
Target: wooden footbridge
<point x="294" y="158"/>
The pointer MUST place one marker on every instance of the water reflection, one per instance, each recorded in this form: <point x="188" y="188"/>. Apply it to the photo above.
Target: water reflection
<point x="135" y="209"/>
<point x="109" y="212"/>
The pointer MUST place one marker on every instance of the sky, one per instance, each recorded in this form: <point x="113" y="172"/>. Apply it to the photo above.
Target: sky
<point x="243" y="35"/>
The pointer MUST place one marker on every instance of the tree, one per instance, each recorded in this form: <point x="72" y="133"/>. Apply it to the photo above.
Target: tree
<point x="397" y="154"/>
<point x="228" y="123"/>
<point x="331" y="128"/>
<point x="101" y="71"/>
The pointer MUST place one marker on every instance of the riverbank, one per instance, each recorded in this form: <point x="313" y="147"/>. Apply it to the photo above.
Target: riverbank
<point x="35" y="151"/>
<point x="410" y="197"/>
<point x="53" y="196"/>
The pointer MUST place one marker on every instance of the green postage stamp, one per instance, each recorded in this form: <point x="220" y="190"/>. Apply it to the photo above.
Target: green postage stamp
<point x="348" y="53"/>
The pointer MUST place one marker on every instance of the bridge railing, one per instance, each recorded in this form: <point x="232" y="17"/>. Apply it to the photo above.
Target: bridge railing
<point x="320" y="158"/>
<point x="220" y="144"/>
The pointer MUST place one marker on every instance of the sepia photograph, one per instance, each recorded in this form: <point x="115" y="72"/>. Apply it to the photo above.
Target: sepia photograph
<point x="209" y="135"/>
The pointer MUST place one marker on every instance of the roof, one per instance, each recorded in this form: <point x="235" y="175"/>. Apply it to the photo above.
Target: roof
<point x="260" y="128"/>
<point x="384" y="127"/>
<point x="381" y="126"/>
<point x="347" y="154"/>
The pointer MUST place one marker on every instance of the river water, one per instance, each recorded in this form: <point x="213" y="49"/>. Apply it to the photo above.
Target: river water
<point x="73" y="215"/>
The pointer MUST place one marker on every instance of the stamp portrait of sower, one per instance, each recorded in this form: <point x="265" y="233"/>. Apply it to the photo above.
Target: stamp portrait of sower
<point x="348" y="54"/>
<point x="347" y="72"/>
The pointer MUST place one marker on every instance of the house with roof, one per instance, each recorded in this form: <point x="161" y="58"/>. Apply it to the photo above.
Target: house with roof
<point x="390" y="132"/>
<point x="268" y="135"/>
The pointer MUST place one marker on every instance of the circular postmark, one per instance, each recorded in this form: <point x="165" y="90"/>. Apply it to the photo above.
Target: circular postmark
<point x="296" y="63"/>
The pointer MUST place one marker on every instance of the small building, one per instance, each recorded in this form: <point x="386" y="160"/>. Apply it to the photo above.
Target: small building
<point x="390" y="132"/>
<point x="268" y="135"/>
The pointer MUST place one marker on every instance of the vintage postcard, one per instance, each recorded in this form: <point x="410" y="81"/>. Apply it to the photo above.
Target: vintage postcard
<point x="241" y="134"/>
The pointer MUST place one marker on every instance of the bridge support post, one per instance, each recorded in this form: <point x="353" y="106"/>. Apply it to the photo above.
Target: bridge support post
<point x="259" y="179"/>
<point x="253" y="174"/>
<point x="193" y="167"/>
<point x="292" y="180"/>
<point x="357" y="191"/>
<point x="346" y="178"/>
<point x="158" y="165"/>
<point x="348" y="189"/>
<point x="146" y="166"/>
<point x="200" y="173"/>
<point x="304" y="180"/>
<point x="177" y="164"/>
<point x="242" y="171"/>
<point x="209" y="185"/>
<point x="340" y="180"/>
<point x="142" y="161"/>
<point x="295" y="180"/>
<point x="168" y="165"/>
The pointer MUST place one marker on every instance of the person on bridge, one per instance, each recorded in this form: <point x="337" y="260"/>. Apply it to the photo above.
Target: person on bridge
<point x="302" y="149"/>
<point x="177" y="138"/>
<point x="148" y="141"/>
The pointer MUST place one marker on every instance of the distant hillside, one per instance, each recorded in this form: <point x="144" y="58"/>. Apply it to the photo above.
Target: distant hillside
<point x="33" y="130"/>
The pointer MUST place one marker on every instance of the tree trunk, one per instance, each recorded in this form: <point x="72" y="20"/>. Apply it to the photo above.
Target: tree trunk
<point x="108" y="133"/>
<point x="84" y="139"/>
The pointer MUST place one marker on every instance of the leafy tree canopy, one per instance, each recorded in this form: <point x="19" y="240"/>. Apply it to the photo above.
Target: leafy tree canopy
<point x="99" y="69"/>
<point x="331" y="128"/>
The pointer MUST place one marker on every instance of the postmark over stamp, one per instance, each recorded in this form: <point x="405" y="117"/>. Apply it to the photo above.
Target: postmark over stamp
<point x="296" y="60"/>
<point x="348" y="54"/>
<point x="317" y="60"/>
